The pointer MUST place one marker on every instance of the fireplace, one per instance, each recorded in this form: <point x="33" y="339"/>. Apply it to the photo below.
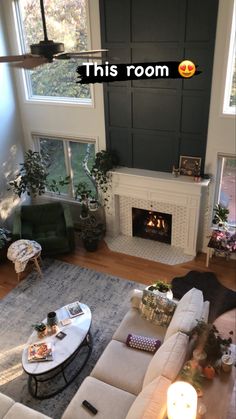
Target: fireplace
<point x="152" y="225"/>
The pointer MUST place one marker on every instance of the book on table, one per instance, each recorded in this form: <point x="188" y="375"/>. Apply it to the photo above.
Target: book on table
<point x="74" y="309"/>
<point x="40" y="351"/>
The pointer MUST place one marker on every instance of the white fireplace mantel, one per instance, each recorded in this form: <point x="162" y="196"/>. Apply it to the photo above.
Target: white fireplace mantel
<point x="151" y="189"/>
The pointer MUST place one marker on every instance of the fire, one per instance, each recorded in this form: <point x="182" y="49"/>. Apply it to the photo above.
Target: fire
<point x="156" y="222"/>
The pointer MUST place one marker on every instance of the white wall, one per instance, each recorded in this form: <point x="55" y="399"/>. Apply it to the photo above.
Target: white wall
<point x="11" y="135"/>
<point x="221" y="128"/>
<point x="61" y="119"/>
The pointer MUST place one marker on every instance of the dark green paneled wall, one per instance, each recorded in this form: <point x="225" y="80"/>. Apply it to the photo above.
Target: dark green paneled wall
<point x="150" y="123"/>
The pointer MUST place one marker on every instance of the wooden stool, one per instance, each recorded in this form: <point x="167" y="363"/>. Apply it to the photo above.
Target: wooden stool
<point x="35" y="259"/>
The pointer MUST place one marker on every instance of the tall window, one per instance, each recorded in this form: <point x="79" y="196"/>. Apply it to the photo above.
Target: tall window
<point x="230" y="85"/>
<point x="67" y="23"/>
<point x="226" y="194"/>
<point x="65" y="157"/>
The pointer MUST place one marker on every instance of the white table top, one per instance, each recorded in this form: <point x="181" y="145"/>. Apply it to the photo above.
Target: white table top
<point x="76" y="331"/>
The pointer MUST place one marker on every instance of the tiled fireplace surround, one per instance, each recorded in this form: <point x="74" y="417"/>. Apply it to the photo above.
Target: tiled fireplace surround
<point x="158" y="191"/>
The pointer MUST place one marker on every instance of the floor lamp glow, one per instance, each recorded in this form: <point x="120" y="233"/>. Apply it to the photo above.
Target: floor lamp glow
<point x="181" y="401"/>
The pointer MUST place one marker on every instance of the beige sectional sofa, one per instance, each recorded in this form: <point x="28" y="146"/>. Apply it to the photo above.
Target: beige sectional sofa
<point x="127" y="383"/>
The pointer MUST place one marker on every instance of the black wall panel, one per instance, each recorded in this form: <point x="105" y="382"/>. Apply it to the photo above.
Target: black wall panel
<point x="150" y="123"/>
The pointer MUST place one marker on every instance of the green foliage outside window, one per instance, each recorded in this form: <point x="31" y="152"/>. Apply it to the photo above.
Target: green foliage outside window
<point x="66" y="22"/>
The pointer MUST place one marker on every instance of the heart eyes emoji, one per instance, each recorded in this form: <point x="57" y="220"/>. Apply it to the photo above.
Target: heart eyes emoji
<point x="186" y="68"/>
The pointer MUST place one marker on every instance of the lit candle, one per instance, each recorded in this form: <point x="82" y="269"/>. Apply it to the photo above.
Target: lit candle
<point x="181" y="401"/>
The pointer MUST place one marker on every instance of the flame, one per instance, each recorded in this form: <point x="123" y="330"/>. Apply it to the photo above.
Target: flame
<point x="156" y="222"/>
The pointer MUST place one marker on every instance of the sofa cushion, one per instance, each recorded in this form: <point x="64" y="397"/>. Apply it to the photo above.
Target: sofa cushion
<point x="111" y="402"/>
<point x="188" y="311"/>
<point x="20" y="411"/>
<point x="5" y="404"/>
<point x="151" y="402"/>
<point x="156" y="308"/>
<point x="144" y="343"/>
<point x="169" y="358"/>
<point x="122" y="367"/>
<point x="134" y="323"/>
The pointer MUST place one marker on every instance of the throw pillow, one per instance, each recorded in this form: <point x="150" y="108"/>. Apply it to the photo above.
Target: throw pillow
<point x="151" y="402"/>
<point x="188" y="311"/>
<point x="169" y="359"/>
<point x="143" y="342"/>
<point x="156" y="308"/>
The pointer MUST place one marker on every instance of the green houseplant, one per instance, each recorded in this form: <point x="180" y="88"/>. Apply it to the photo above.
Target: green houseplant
<point x="32" y="177"/>
<point x="160" y="286"/>
<point x="209" y="340"/>
<point x="105" y="161"/>
<point x="5" y="240"/>
<point x="220" y="216"/>
<point x="91" y="232"/>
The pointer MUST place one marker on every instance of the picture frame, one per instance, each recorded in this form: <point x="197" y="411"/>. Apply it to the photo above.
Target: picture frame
<point x="190" y="166"/>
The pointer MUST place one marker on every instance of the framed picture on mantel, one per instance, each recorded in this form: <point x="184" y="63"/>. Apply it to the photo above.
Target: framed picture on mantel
<point x="190" y="166"/>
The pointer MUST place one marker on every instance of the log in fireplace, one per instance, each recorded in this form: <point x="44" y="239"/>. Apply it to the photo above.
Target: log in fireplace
<point x="152" y="225"/>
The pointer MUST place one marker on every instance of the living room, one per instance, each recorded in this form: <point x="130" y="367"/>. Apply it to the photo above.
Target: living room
<point x="152" y="126"/>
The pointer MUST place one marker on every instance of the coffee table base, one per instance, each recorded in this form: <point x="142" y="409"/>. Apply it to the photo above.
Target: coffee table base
<point x="34" y="381"/>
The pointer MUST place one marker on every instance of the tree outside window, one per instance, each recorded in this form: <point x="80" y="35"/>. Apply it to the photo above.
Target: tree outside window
<point x="66" y="22"/>
<point x="227" y="186"/>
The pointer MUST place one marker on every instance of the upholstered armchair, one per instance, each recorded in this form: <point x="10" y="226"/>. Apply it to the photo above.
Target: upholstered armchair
<point x="50" y="225"/>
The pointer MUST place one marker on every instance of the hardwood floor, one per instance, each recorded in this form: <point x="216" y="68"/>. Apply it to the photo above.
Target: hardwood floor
<point x="129" y="267"/>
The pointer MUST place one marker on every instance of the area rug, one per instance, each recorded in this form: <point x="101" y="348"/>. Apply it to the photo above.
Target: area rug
<point x="62" y="283"/>
<point x="221" y="298"/>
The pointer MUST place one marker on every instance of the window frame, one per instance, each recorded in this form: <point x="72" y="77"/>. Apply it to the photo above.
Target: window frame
<point x="25" y="75"/>
<point x="227" y="109"/>
<point x="219" y="174"/>
<point x="36" y="136"/>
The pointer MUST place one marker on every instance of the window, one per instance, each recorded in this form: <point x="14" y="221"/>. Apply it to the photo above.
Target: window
<point x="66" y="22"/>
<point x="65" y="158"/>
<point x="226" y="192"/>
<point x="230" y="85"/>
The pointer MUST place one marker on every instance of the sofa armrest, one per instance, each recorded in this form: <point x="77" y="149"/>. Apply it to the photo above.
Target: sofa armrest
<point x="69" y="226"/>
<point x="16" y="230"/>
<point x="136" y="298"/>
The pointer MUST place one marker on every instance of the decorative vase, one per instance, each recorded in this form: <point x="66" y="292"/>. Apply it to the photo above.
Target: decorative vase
<point x="52" y="318"/>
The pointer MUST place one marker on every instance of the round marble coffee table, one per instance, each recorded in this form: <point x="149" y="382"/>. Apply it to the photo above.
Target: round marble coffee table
<point x="64" y="352"/>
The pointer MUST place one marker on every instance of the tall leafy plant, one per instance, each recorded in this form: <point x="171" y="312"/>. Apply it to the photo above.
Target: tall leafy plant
<point x="32" y="177"/>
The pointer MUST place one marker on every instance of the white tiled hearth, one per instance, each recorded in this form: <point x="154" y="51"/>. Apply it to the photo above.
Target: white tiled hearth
<point x="156" y="191"/>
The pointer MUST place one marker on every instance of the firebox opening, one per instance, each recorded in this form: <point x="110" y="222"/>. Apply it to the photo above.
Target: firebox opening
<point x="152" y="225"/>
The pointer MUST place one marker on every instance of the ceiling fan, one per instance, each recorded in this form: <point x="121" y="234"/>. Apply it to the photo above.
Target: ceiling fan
<point x="46" y="51"/>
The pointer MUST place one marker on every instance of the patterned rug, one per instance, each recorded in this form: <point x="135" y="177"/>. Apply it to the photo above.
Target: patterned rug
<point x="33" y="298"/>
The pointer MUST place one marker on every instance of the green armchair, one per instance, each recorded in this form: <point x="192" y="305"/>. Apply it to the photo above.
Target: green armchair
<point x="50" y="225"/>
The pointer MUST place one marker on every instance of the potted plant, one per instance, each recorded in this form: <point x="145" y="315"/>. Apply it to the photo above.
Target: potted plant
<point x="162" y="288"/>
<point x="41" y="329"/>
<point x="220" y="216"/>
<point x="209" y="340"/>
<point x="32" y="178"/>
<point x="91" y="232"/>
<point x="105" y="161"/>
<point x="5" y="240"/>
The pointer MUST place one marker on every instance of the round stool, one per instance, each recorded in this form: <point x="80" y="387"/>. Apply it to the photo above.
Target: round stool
<point x="23" y="251"/>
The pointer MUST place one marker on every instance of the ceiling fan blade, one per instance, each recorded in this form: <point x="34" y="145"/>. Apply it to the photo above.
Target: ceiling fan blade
<point x="31" y="62"/>
<point x="68" y="56"/>
<point x="12" y="58"/>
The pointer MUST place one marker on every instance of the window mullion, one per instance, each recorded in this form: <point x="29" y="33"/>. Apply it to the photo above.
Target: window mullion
<point x="69" y="171"/>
